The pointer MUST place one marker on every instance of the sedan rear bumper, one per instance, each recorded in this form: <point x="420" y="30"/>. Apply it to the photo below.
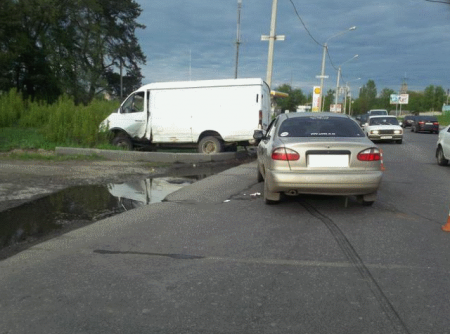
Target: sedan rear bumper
<point x="431" y="128"/>
<point x="324" y="184"/>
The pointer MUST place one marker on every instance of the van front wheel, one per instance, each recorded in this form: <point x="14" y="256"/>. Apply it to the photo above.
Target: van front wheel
<point x="123" y="142"/>
<point x="210" y="145"/>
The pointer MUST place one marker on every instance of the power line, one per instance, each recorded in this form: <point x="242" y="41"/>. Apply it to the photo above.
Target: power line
<point x="312" y="37"/>
<point x="446" y="2"/>
<point x="304" y="25"/>
<point x="331" y="61"/>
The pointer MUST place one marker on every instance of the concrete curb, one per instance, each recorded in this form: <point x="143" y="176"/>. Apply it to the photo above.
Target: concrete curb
<point x="153" y="156"/>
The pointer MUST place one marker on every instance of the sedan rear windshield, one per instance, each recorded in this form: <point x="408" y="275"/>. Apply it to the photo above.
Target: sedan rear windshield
<point x="378" y="112"/>
<point x="320" y="126"/>
<point x="426" y="118"/>
<point x="383" y="121"/>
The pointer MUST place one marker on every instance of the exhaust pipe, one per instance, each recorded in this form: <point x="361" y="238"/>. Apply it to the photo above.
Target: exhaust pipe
<point x="291" y="193"/>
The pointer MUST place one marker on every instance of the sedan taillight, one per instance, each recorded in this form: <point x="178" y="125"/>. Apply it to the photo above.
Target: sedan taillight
<point x="371" y="154"/>
<point x="285" y="154"/>
<point x="435" y="123"/>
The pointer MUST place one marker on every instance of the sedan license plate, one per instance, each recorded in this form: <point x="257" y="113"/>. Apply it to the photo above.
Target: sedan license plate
<point x="328" y="160"/>
<point x="429" y="123"/>
<point x="386" y="137"/>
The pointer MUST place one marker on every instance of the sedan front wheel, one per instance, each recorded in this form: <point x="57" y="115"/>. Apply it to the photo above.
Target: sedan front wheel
<point x="440" y="157"/>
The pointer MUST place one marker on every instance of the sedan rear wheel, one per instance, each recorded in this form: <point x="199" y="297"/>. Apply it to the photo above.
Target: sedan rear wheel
<point x="368" y="199"/>
<point x="440" y="157"/>
<point x="259" y="176"/>
<point x="270" y="197"/>
<point x="360" y="199"/>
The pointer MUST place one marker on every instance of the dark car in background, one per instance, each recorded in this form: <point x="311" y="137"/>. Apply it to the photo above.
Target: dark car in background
<point x="407" y="121"/>
<point x="425" y="124"/>
<point x="362" y="119"/>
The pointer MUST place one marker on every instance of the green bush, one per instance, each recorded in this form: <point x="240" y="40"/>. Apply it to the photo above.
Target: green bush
<point x="36" y="115"/>
<point x="12" y="107"/>
<point x="62" y="123"/>
<point x="69" y="124"/>
<point x="444" y="119"/>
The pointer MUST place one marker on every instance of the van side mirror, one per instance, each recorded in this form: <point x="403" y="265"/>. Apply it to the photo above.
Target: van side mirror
<point x="258" y="135"/>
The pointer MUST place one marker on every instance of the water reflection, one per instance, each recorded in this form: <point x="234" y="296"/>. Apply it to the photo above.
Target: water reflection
<point x="138" y="193"/>
<point x="84" y="205"/>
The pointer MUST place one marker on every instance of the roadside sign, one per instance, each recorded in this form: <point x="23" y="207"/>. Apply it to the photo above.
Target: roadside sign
<point x="337" y="108"/>
<point x="403" y="99"/>
<point x="316" y="98"/>
<point x="399" y="98"/>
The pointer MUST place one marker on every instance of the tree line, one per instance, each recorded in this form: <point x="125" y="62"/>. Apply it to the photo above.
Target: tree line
<point x="431" y="99"/>
<point x="50" y="48"/>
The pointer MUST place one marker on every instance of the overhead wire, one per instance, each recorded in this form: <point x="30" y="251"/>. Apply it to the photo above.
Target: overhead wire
<point x="312" y="37"/>
<point x="304" y="25"/>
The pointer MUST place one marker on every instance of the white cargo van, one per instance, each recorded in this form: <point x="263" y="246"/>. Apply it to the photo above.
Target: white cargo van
<point x="212" y="115"/>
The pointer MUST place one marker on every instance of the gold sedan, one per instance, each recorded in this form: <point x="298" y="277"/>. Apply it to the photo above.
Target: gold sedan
<point x="317" y="153"/>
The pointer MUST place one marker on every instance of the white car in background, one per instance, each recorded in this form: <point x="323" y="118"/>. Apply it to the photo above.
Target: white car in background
<point x="383" y="128"/>
<point x="443" y="147"/>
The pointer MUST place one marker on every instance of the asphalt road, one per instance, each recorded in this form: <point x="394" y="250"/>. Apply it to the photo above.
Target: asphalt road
<point x="214" y="258"/>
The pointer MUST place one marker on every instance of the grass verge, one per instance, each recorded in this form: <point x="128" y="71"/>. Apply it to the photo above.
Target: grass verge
<point x="47" y="156"/>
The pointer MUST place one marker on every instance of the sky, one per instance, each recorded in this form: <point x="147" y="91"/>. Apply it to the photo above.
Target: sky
<point x="396" y="41"/>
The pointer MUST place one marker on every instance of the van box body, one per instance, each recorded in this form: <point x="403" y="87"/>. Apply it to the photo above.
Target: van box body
<point x="183" y="112"/>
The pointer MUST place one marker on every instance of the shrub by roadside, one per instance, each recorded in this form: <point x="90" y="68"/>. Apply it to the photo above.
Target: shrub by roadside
<point x="31" y="124"/>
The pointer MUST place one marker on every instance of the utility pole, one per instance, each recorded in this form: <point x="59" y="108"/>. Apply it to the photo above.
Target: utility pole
<point x="271" y="38"/>
<point x="322" y="72"/>
<point x="322" y="76"/>
<point x="238" y="39"/>
<point x="121" y="79"/>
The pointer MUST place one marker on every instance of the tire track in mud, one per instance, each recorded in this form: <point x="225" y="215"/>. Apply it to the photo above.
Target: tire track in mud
<point x="355" y="259"/>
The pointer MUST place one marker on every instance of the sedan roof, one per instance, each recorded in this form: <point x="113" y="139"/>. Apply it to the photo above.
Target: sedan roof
<point x="315" y="114"/>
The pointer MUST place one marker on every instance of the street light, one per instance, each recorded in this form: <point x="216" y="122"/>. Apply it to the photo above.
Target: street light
<point x="347" y="88"/>
<point x="338" y="77"/>
<point x="322" y="73"/>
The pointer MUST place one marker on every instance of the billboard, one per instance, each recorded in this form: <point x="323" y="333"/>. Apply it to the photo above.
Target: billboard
<point x="337" y="108"/>
<point x="399" y="98"/>
<point x="316" y="99"/>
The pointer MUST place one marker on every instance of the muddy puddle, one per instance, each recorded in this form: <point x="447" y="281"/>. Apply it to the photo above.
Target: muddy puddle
<point x="75" y="207"/>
